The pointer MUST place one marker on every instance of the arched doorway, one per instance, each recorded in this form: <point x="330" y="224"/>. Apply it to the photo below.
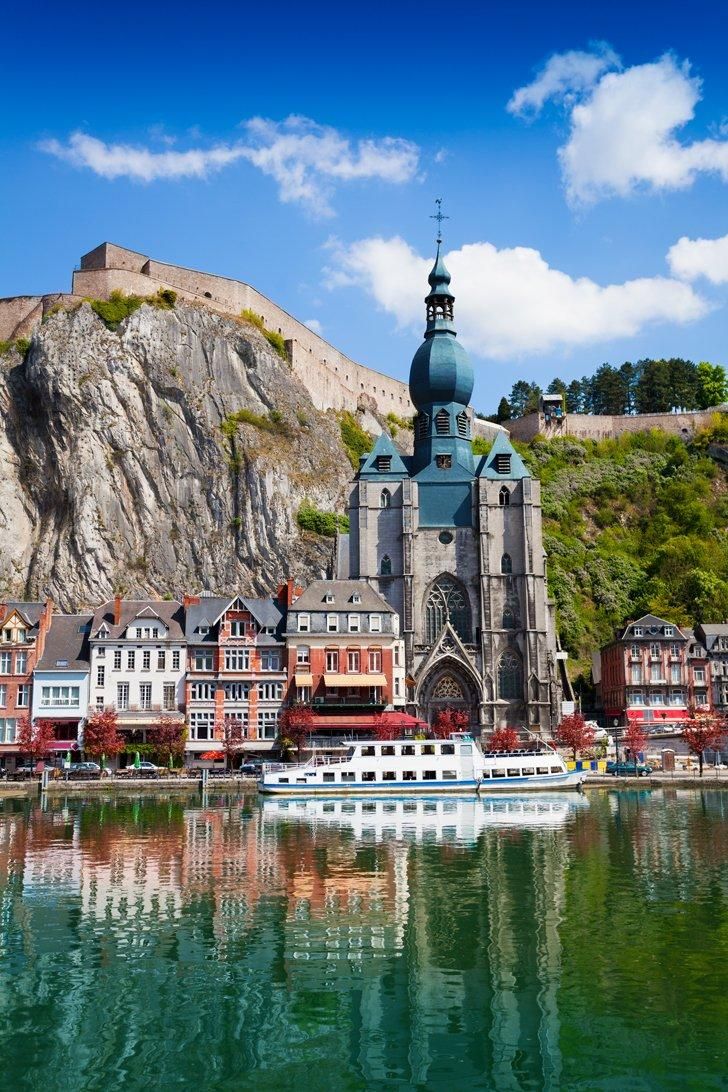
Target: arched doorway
<point x="448" y="685"/>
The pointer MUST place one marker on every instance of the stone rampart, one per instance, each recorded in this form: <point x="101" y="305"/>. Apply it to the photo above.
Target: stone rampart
<point x="20" y="315"/>
<point x="585" y="426"/>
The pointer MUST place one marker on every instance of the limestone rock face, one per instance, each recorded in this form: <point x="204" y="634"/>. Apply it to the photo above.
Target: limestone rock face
<point x="122" y="467"/>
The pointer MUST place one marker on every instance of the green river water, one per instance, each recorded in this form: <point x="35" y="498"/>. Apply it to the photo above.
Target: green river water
<point x="558" y="942"/>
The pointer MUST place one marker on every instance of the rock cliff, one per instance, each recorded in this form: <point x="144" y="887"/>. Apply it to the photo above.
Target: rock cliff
<point x="170" y="454"/>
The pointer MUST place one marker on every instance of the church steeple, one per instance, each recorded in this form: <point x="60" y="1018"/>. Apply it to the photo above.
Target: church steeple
<point x="440" y="299"/>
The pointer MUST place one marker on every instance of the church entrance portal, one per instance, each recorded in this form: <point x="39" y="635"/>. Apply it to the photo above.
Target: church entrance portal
<point x="447" y="686"/>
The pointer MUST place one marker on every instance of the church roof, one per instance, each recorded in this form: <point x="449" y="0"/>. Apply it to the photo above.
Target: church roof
<point x="383" y="449"/>
<point x="441" y="371"/>
<point x="488" y="465"/>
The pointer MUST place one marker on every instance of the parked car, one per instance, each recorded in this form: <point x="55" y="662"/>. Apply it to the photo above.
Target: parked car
<point x="629" y="769"/>
<point x="82" y="771"/>
<point x="144" y="769"/>
<point x="251" y="769"/>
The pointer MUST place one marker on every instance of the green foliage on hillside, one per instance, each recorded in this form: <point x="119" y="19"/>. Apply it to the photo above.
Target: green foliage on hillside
<point x="313" y="519"/>
<point x="20" y="345"/>
<point x="274" y="422"/>
<point x="632" y="525"/>
<point x="355" y="439"/>
<point x="119" y="306"/>
<point x="395" y="423"/>
<point x="276" y="340"/>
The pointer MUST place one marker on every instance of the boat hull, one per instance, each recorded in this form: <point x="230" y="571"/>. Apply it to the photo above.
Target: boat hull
<point x="569" y="781"/>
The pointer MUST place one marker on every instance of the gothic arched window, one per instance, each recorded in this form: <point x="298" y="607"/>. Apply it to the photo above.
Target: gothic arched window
<point x="385" y="499"/>
<point x="447" y="687"/>
<point x="386" y="566"/>
<point x="504" y="497"/>
<point x="506" y="564"/>
<point x="509" y="618"/>
<point x="447" y="601"/>
<point x="510" y="676"/>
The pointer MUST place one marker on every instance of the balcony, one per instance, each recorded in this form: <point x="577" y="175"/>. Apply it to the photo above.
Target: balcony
<point x="137" y="711"/>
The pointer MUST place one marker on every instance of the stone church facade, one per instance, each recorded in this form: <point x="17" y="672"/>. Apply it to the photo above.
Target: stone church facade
<point x="453" y="542"/>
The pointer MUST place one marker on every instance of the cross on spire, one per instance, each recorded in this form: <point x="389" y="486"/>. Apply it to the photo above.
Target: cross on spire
<point x="439" y="215"/>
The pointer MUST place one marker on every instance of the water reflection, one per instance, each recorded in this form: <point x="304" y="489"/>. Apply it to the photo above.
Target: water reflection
<point x="505" y="943"/>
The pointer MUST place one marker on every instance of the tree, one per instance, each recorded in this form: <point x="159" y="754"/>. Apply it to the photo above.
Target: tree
<point x="703" y="732"/>
<point x="295" y="725"/>
<point x="503" y="739"/>
<point x="635" y="738"/>
<point x="34" y="740"/>
<point x="504" y="410"/>
<point x="712" y="384"/>
<point x="574" y="732"/>
<point x="101" y="734"/>
<point x="233" y="737"/>
<point x="168" y="736"/>
<point x="450" y="720"/>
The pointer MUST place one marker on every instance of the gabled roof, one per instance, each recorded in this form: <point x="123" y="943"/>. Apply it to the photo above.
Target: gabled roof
<point x="654" y="627"/>
<point x="168" y="611"/>
<point x="383" y="446"/>
<point x="66" y="646"/>
<point x="487" y="465"/>
<point x="343" y="591"/>
<point x="29" y="613"/>
<point x="205" y="613"/>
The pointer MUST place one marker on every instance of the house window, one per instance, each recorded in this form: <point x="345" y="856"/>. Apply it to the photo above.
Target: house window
<point x="101" y="651"/>
<point x="267" y="724"/>
<point x="354" y="660"/>
<point x="668" y="631"/>
<point x="161" y="661"/>
<point x="236" y="692"/>
<point x="146" y="659"/>
<point x="655" y="650"/>
<point x="375" y="623"/>
<point x="202" y="691"/>
<point x="636" y="698"/>
<point x="8" y="726"/>
<point x="23" y="696"/>
<point x="169" y="696"/>
<point x="442" y="422"/>
<point x="175" y="660"/>
<point x="21" y="663"/>
<point x="332" y="623"/>
<point x="7" y="636"/>
<point x="122" y="695"/>
<point x="701" y="697"/>
<point x="375" y="659"/>
<point x="677" y="697"/>
<point x="238" y="628"/>
<point x="354" y="623"/>
<point x="332" y="659"/>
<point x="237" y="659"/>
<point x="3" y="695"/>
<point x="386" y="565"/>
<point x="270" y="661"/>
<point x="638" y="631"/>
<point x="635" y="652"/>
<point x="447" y="601"/>
<point x="385" y="499"/>
<point x="329" y="597"/>
<point x="22" y="635"/>
<point x="203" y="659"/>
<point x="510" y="677"/>
<point x="503" y="463"/>
<point x="384" y="463"/>
<point x="145" y="695"/>
<point x="636" y="674"/>
<point x="303" y="694"/>
<point x="304" y="623"/>
<point x="201" y="725"/>
<point x="303" y="654"/>
<point x="506" y="564"/>
<point x="675" y="651"/>
<point x="356" y="598"/>
<point x="655" y="672"/>
<point x="130" y="658"/>
<point x="100" y="675"/>
<point x="117" y="659"/>
<point x="504" y="497"/>
<point x="270" y="691"/>
<point x="138" y="634"/>
<point x="397" y="654"/>
<point x="5" y="663"/>
<point x="699" y="674"/>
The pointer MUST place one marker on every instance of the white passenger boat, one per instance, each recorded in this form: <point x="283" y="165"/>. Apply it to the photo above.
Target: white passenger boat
<point x="420" y="766"/>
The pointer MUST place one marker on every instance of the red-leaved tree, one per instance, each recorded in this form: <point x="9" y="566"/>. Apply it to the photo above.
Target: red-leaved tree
<point x="387" y="729"/>
<point x="295" y="725"/>
<point x="101" y="734"/>
<point x="503" y="739"/>
<point x="34" y="740"/>
<point x="635" y="738"/>
<point x="703" y="732"/>
<point x="168" y="736"/>
<point x="232" y="735"/>
<point x="574" y="732"/>
<point x="450" y="720"/>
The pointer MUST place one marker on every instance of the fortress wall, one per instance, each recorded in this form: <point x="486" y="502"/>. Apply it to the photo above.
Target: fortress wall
<point x="584" y="426"/>
<point x="108" y="255"/>
<point x="20" y="315"/>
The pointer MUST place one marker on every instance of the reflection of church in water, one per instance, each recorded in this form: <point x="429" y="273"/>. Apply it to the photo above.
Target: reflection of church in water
<point x="453" y="541"/>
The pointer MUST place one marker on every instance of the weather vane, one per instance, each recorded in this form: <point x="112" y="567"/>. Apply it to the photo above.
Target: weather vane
<point x="439" y="216"/>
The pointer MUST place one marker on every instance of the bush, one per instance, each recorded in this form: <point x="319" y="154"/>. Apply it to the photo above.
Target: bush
<point x="396" y="423"/>
<point x="20" y="345"/>
<point x="118" y="306"/>
<point x="274" y="422"/>
<point x="321" y="523"/>
<point x="274" y="339"/>
<point x="355" y="439"/>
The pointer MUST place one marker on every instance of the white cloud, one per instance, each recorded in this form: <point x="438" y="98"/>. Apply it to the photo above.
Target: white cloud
<point x="510" y="301"/>
<point x="315" y="325"/>
<point x="563" y="76"/>
<point x="140" y="164"/>
<point x="307" y="160"/>
<point x="693" y="258"/>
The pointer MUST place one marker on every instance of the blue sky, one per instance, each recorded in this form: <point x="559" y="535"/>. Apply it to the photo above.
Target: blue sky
<point x="625" y="156"/>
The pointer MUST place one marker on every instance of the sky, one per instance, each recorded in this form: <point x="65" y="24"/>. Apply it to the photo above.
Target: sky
<point x="580" y="151"/>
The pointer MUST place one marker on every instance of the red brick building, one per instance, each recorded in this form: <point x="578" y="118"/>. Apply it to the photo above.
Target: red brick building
<point x="23" y="631"/>
<point x="651" y="673"/>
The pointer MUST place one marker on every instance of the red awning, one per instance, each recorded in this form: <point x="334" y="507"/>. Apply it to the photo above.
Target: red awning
<point x="211" y="756"/>
<point x="63" y="745"/>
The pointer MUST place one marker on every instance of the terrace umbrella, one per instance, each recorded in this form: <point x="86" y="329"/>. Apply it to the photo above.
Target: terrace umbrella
<point x="170" y="762"/>
<point x="137" y="760"/>
<point x="68" y="758"/>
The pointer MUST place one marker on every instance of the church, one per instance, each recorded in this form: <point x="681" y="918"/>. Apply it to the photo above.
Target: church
<point x="453" y="542"/>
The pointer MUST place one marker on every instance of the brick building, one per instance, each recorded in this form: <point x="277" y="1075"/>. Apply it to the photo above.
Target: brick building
<point x="651" y="673"/>
<point x="23" y="631"/>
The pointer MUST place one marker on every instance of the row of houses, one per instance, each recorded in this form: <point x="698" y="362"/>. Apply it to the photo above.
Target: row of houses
<point x="655" y="671"/>
<point x="335" y="646"/>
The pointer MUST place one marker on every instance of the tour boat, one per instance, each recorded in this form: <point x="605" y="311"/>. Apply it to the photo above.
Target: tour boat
<point x="456" y="764"/>
<point x="429" y="818"/>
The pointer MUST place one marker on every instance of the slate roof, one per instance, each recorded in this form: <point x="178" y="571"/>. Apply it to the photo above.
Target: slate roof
<point x="207" y="612"/>
<point x="502" y="446"/>
<point x="29" y="612"/>
<point x="168" y="610"/>
<point x="67" y="641"/>
<point x="650" y="622"/>
<point x="313" y="599"/>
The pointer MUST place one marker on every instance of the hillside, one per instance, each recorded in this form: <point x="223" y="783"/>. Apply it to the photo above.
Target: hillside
<point x="632" y="525"/>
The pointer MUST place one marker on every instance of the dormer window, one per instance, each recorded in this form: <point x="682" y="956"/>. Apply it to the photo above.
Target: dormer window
<point x="329" y="597"/>
<point x="384" y="463"/>
<point x="442" y="422"/>
<point x="638" y="631"/>
<point x="504" y="497"/>
<point x="304" y="623"/>
<point x="503" y="463"/>
<point x="202" y="630"/>
<point x="356" y="598"/>
<point x="669" y="631"/>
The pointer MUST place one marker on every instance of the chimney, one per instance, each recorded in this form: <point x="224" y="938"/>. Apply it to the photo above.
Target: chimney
<point x="117" y="610"/>
<point x="3" y="610"/>
<point x="190" y="601"/>
<point x="44" y="624"/>
<point x="288" y="593"/>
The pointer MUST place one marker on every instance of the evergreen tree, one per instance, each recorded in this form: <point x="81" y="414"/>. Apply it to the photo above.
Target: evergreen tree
<point x="520" y="396"/>
<point x="653" y="392"/>
<point x="683" y="383"/>
<point x="574" y="397"/>
<point x="504" y="411"/>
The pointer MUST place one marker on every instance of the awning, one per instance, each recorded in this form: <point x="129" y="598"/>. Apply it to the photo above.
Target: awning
<point x="211" y="756"/>
<point x="355" y="680"/>
<point x="63" y="745"/>
<point x="303" y="680"/>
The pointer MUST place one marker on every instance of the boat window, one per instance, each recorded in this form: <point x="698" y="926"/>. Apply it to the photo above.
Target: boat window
<point x="408" y="749"/>
<point x="409" y="806"/>
<point x="409" y="775"/>
<point x="429" y="775"/>
<point x="388" y="750"/>
<point x="449" y="775"/>
<point x="556" y="769"/>
<point x="512" y="772"/>
<point x="368" y="807"/>
<point x="368" y="750"/>
<point x="369" y="775"/>
<point x="389" y="807"/>
<point x="429" y="807"/>
<point x="282" y="780"/>
<point x="329" y="777"/>
<point x="329" y="806"/>
<point x="428" y="748"/>
<point x="347" y="777"/>
<point x="542" y="769"/>
<point x="388" y="775"/>
<point x="300" y="780"/>
<point x="528" y="772"/>
<point x="486" y="773"/>
<point x="448" y="749"/>
<point x="499" y="773"/>
<point x="466" y="748"/>
<point x="348" y="809"/>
